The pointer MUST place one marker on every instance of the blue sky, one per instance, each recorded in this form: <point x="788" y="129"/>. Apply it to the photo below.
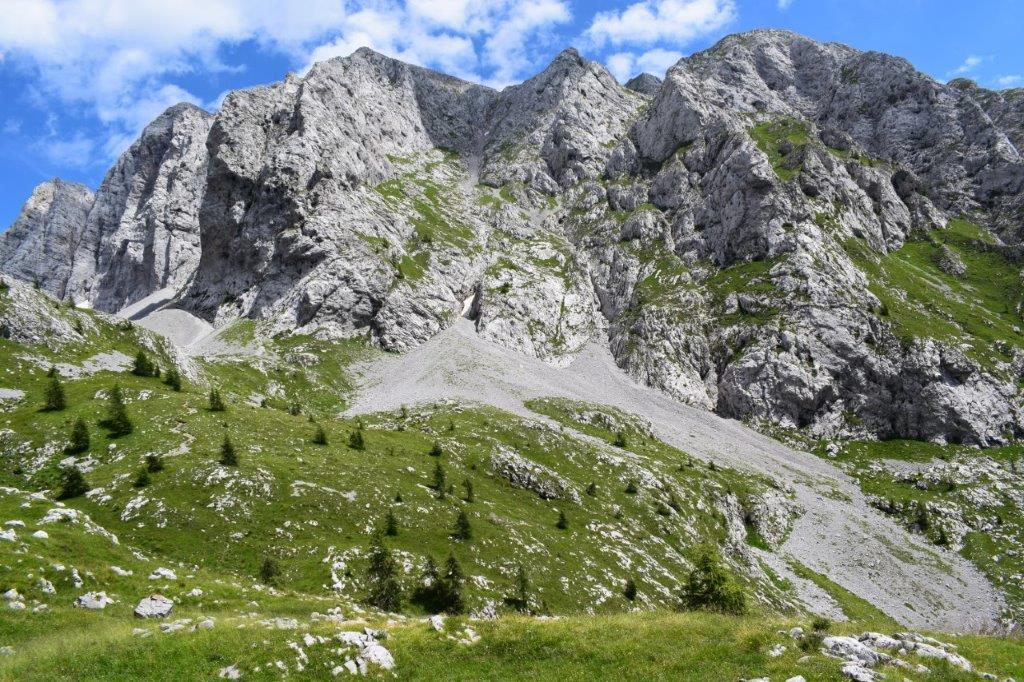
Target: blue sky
<point x="80" y="78"/>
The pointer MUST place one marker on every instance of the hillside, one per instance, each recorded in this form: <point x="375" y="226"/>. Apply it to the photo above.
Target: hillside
<point x="580" y="341"/>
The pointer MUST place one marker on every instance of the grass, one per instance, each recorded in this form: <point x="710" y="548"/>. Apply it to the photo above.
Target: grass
<point x="771" y="137"/>
<point x="977" y="311"/>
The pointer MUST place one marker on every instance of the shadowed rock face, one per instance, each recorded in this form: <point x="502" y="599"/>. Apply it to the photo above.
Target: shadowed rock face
<point x="738" y="234"/>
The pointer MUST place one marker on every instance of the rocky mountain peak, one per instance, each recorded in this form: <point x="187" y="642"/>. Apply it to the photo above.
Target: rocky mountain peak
<point x="644" y="83"/>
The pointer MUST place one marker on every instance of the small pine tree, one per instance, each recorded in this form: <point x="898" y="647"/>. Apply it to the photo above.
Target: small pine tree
<point x="563" y="521"/>
<point x="435" y="450"/>
<point x="398" y="497"/>
<point x="52" y="372"/>
<point x="592" y="489"/>
<point x="54" y="399"/>
<point x="463" y="528"/>
<point x="270" y="571"/>
<point x="295" y="409"/>
<point x="631" y="488"/>
<point x="79" y="438"/>
<point x="143" y="366"/>
<point x="440" y="481"/>
<point x="154" y="463"/>
<point x="620" y="439"/>
<point x="467" y="485"/>
<point x="319" y="436"/>
<point x="921" y="517"/>
<point x="452" y="583"/>
<point x="390" y="524"/>
<point x="228" y="456"/>
<point x="172" y="378"/>
<point x="709" y="585"/>
<point x="116" y="422"/>
<point x="142" y="480"/>
<point x="943" y="539"/>
<point x="520" y="597"/>
<point x="72" y="484"/>
<point x="216" y="402"/>
<point x="356" y="440"/>
<point x="382" y="573"/>
<point x="629" y="591"/>
<point x="429" y="593"/>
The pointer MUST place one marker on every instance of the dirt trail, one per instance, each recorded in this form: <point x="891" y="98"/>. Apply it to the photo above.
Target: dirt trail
<point x="838" y="535"/>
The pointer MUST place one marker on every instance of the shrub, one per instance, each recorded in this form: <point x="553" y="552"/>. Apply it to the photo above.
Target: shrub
<point x="629" y="591"/>
<point x="435" y="450"/>
<point x="173" y="378"/>
<point x="72" y="484"/>
<point x="382" y="574"/>
<point x="592" y="489"/>
<point x="710" y="586"/>
<point x="154" y="463"/>
<point x="463" y="528"/>
<point x="295" y="409"/>
<point x="228" y="456"/>
<point x="467" y="485"/>
<point x="631" y="488"/>
<point x="116" y="422"/>
<point x="270" y="571"/>
<point x="79" y="438"/>
<point x="53" y="398"/>
<point x="563" y="521"/>
<point x="620" y="439"/>
<point x="216" y="402"/>
<point x="356" y="440"/>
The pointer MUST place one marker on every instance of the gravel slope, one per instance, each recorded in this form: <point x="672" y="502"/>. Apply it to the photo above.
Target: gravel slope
<point x="838" y="535"/>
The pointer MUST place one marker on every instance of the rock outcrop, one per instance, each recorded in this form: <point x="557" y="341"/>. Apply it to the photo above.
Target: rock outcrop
<point x="766" y="233"/>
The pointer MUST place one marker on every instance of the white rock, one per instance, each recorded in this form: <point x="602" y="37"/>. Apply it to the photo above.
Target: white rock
<point x="154" y="606"/>
<point x="92" y="600"/>
<point x="436" y="622"/>
<point x="117" y="570"/>
<point x="165" y="573"/>
<point x="230" y="673"/>
<point x="41" y="535"/>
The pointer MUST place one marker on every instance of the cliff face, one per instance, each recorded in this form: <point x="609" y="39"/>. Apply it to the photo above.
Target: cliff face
<point x="782" y="230"/>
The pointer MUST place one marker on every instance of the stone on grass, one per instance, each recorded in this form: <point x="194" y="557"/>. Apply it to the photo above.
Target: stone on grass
<point x="154" y="606"/>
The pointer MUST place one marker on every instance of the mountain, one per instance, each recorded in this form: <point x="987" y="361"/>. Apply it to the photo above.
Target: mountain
<point x="745" y="342"/>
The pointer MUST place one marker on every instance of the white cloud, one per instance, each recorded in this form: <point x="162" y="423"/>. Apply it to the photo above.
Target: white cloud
<point x="76" y="152"/>
<point x="12" y="126"/>
<point x="1009" y="81"/>
<point x="653" y="21"/>
<point x="784" y="4"/>
<point x="969" y="64"/>
<point x="625" y="65"/>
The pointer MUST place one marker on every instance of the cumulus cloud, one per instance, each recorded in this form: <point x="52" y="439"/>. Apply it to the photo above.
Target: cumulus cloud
<point x="969" y="64"/>
<point x="784" y="4"/>
<point x="625" y="65"/>
<point x="654" y="21"/>
<point x="1009" y="81"/>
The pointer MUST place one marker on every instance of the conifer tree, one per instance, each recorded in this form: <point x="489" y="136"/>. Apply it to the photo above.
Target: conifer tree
<point x="592" y="489"/>
<point x="467" y="485"/>
<point x="228" y="456"/>
<point x="463" y="529"/>
<point x="173" y="378"/>
<point x="356" y="440"/>
<point x="385" y="592"/>
<point x="620" y="439"/>
<point x="709" y="585"/>
<point x="452" y="584"/>
<point x="154" y="463"/>
<point x="72" y="484"/>
<point x="79" y="438"/>
<point x="563" y="521"/>
<point x="143" y="366"/>
<point x="319" y="436"/>
<point x="54" y="399"/>
<point x="390" y="524"/>
<point x="116" y="422"/>
<point x="435" y="450"/>
<point x="143" y="479"/>
<point x="440" y="481"/>
<point x="520" y="597"/>
<point x="216" y="402"/>
<point x="429" y="593"/>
